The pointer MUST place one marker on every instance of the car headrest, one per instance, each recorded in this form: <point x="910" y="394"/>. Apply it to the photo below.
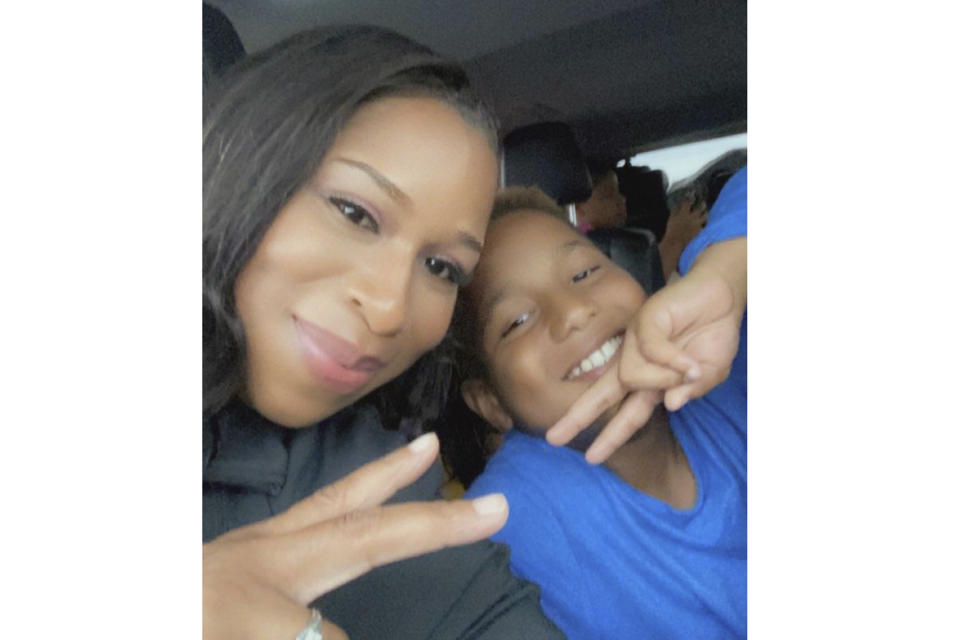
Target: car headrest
<point x="221" y="43"/>
<point x="633" y="250"/>
<point x="646" y="195"/>
<point x="546" y="155"/>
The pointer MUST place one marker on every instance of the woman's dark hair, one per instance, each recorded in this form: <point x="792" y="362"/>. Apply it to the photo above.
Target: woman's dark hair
<point x="267" y="125"/>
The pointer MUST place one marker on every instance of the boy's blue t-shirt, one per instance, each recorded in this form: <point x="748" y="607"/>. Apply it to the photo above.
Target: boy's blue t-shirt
<point x="613" y="562"/>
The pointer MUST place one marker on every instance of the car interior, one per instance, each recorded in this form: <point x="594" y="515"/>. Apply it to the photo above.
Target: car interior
<point x="573" y="84"/>
<point x="625" y="75"/>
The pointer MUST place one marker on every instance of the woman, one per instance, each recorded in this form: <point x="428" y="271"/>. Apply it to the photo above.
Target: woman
<point x="348" y="179"/>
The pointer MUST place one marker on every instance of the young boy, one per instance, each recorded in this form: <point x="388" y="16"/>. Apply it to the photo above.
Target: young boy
<point x="652" y="543"/>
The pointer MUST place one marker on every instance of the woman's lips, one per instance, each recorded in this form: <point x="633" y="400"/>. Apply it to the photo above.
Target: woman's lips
<point x="334" y="362"/>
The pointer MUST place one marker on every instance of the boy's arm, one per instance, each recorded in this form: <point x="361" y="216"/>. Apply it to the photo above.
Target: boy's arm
<point x="691" y="327"/>
<point x="685" y="222"/>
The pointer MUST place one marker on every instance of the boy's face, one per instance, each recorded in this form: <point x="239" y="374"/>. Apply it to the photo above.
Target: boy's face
<point x="550" y="308"/>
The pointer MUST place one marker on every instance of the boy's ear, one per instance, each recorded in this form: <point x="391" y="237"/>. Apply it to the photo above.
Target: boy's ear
<point x="484" y="402"/>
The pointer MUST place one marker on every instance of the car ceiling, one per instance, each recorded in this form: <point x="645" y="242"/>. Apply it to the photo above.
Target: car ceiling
<point x="627" y="75"/>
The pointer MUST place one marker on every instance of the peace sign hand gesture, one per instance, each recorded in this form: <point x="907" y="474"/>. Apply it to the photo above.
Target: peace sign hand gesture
<point x="259" y="579"/>
<point x="679" y="346"/>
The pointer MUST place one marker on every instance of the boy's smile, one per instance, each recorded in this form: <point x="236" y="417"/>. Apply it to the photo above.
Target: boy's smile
<point x="595" y="363"/>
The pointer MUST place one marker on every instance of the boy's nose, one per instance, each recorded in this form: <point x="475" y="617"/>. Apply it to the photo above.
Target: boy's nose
<point x="574" y="314"/>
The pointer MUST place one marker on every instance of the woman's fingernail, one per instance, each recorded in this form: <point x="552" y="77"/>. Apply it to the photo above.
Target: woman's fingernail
<point x="423" y="442"/>
<point x="692" y="374"/>
<point x="491" y="504"/>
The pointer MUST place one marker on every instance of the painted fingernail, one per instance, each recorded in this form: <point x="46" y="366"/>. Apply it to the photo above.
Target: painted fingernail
<point x="491" y="504"/>
<point x="423" y="442"/>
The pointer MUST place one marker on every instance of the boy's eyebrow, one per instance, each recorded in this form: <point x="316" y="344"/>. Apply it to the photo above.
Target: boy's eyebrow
<point x="571" y="244"/>
<point x="470" y="241"/>
<point x="493" y="302"/>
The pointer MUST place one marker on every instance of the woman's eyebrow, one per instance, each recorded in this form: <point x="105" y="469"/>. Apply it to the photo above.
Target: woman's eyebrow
<point x="397" y="195"/>
<point x="393" y="191"/>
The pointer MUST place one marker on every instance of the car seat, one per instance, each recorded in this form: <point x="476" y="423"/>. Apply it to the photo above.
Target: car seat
<point x="221" y="44"/>
<point x="646" y="194"/>
<point x="546" y="155"/>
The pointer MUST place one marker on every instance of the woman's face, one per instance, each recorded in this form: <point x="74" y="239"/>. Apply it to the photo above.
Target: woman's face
<point x="550" y="307"/>
<point x="358" y="274"/>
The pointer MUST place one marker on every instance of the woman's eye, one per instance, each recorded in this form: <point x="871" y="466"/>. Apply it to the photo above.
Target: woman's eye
<point x="519" y="320"/>
<point x="355" y="214"/>
<point x="446" y="271"/>
<point x="583" y="274"/>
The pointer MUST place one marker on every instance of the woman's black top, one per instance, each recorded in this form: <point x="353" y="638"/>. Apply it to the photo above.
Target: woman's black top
<point x="253" y="469"/>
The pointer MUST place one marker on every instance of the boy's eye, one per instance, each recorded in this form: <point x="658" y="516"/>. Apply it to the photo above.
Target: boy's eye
<point x="586" y="272"/>
<point x="519" y="320"/>
<point x="355" y="214"/>
<point x="446" y="271"/>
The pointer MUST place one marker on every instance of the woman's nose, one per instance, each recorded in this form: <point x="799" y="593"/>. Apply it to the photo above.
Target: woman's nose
<point x="382" y="293"/>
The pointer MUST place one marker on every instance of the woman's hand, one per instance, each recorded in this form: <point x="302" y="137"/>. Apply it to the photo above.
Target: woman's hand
<point x="681" y="342"/>
<point x="259" y="579"/>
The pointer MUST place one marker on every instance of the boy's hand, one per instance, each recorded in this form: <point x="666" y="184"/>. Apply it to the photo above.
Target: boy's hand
<point x="682" y="341"/>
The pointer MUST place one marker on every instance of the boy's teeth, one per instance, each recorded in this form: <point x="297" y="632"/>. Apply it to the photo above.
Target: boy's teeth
<point x="598" y="358"/>
<point x="608" y="348"/>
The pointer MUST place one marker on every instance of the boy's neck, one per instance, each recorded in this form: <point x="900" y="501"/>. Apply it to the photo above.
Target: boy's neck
<point x="655" y="464"/>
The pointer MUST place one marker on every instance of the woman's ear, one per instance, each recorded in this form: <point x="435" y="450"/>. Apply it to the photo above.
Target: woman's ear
<point x="484" y="402"/>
